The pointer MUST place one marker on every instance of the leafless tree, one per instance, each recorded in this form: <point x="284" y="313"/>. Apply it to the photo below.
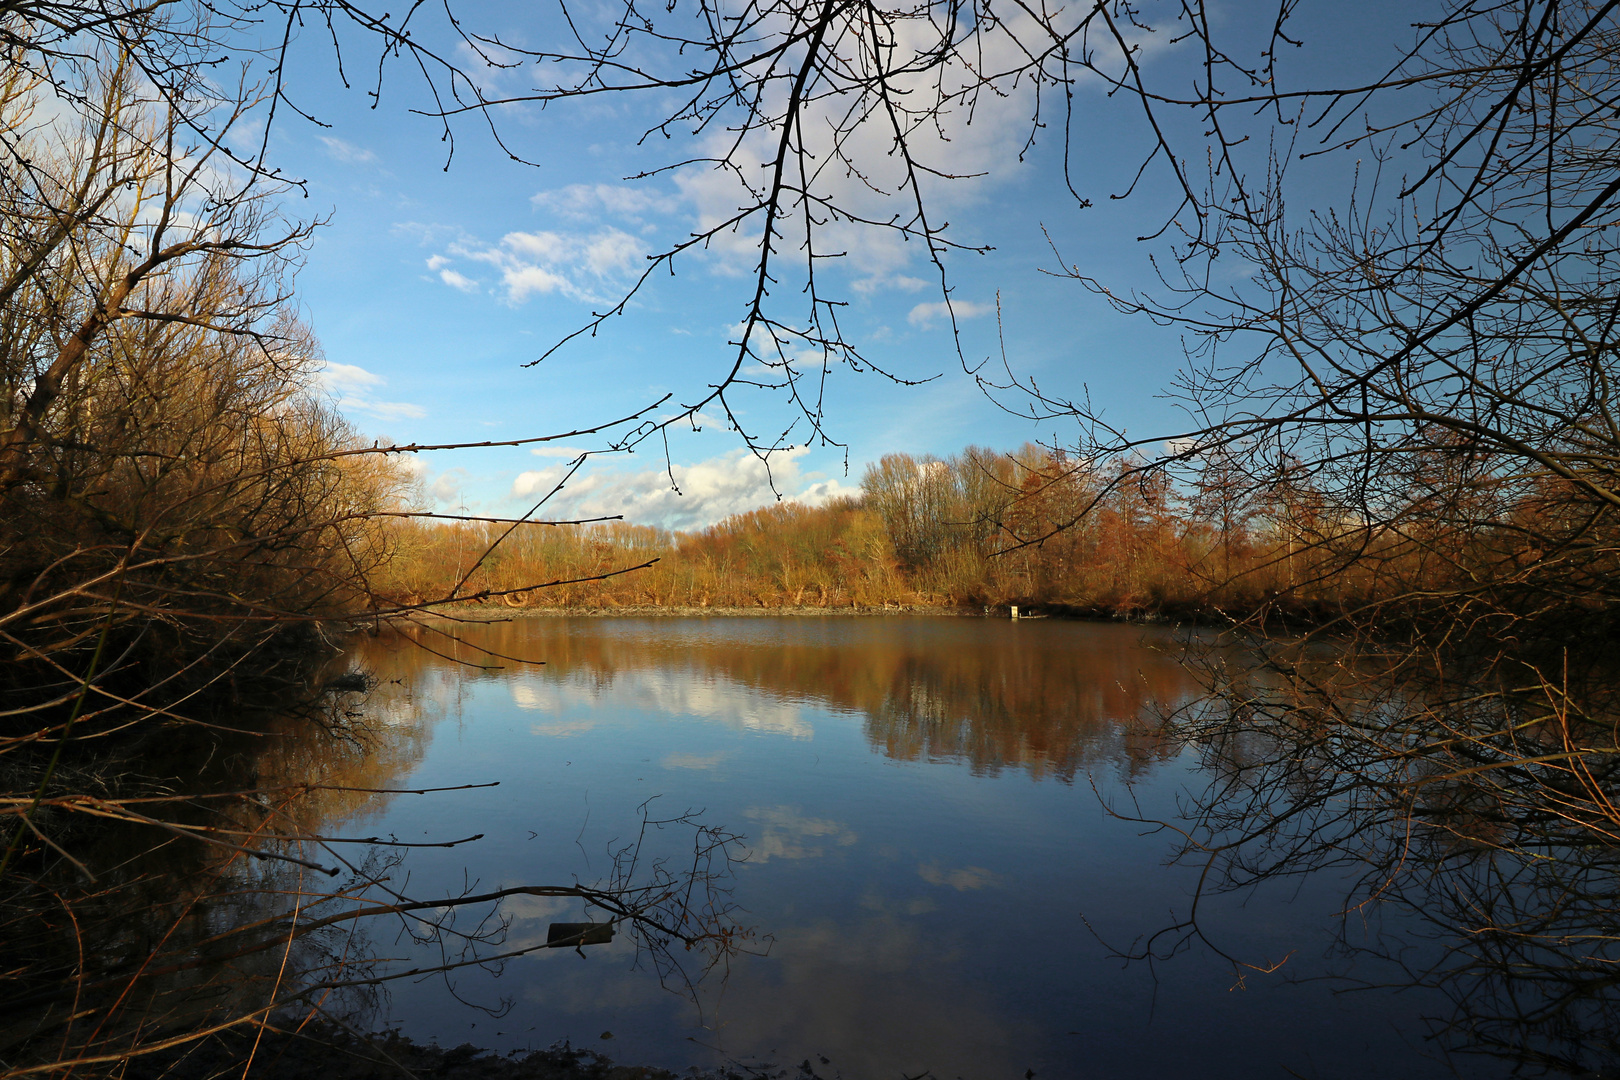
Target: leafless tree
<point x="1422" y="362"/>
<point x="832" y="126"/>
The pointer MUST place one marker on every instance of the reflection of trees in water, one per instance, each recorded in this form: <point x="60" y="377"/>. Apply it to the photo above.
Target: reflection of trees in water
<point x="198" y="865"/>
<point x="1476" y="810"/>
<point x="1051" y="701"/>
<point x="253" y="897"/>
<point x="1498" y="863"/>
<point x="1529" y="958"/>
<point x="1050" y="715"/>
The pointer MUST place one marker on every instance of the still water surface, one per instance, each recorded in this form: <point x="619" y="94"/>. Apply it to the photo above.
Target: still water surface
<point x="931" y="861"/>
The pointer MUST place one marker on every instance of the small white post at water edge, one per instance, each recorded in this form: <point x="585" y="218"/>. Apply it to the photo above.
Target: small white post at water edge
<point x="1015" y="611"/>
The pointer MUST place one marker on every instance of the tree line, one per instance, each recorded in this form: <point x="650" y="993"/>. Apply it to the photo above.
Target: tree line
<point x="1037" y="527"/>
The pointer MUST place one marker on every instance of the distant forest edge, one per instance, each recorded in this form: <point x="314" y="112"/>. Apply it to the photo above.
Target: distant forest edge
<point x="1033" y="527"/>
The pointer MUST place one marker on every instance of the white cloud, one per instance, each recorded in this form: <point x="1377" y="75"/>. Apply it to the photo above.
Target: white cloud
<point x="346" y="152"/>
<point x="448" y="487"/>
<point x="733" y="483"/>
<point x="523" y="281"/>
<point x="411" y="463"/>
<point x="923" y="315"/>
<point x="588" y="201"/>
<point x="700" y="420"/>
<point x="349" y="378"/>
<point x="572" y="264"/>
<point x="457" y="280"/>
<point x="352" y="385"/>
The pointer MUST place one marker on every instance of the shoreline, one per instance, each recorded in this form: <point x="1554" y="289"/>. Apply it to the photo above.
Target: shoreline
<point x="1285" y="622"/>
<point x="492" y="612"/>
<point x="501" y="613"/>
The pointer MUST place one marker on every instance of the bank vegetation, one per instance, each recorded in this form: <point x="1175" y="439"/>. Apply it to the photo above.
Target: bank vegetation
<point x="1032" y="527"/>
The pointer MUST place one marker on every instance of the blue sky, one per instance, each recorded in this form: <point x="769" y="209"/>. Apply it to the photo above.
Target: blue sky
<point x="431" y="287"/>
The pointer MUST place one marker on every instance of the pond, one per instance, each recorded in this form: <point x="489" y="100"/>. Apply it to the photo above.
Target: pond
<point x="945" y="851"/>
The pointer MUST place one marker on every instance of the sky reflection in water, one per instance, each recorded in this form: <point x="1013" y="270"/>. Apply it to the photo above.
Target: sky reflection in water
<point x="923" y="800"/>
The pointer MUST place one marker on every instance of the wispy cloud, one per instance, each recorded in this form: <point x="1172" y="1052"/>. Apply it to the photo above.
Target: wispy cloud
<point x="866" y="286"/>
<point x="457" y="280"/>
<point x="353" y="386"/>
<point x="388" y="410"/>
<point x="347" y="152"/>
<point x="349" y="378"/>
<point x="583" y="202"/>
<point x="923" y="315"/>
<point x="449" y="488"/>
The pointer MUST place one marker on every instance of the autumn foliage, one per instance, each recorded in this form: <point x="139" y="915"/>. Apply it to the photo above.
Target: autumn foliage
<point x="980" y="529"/>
